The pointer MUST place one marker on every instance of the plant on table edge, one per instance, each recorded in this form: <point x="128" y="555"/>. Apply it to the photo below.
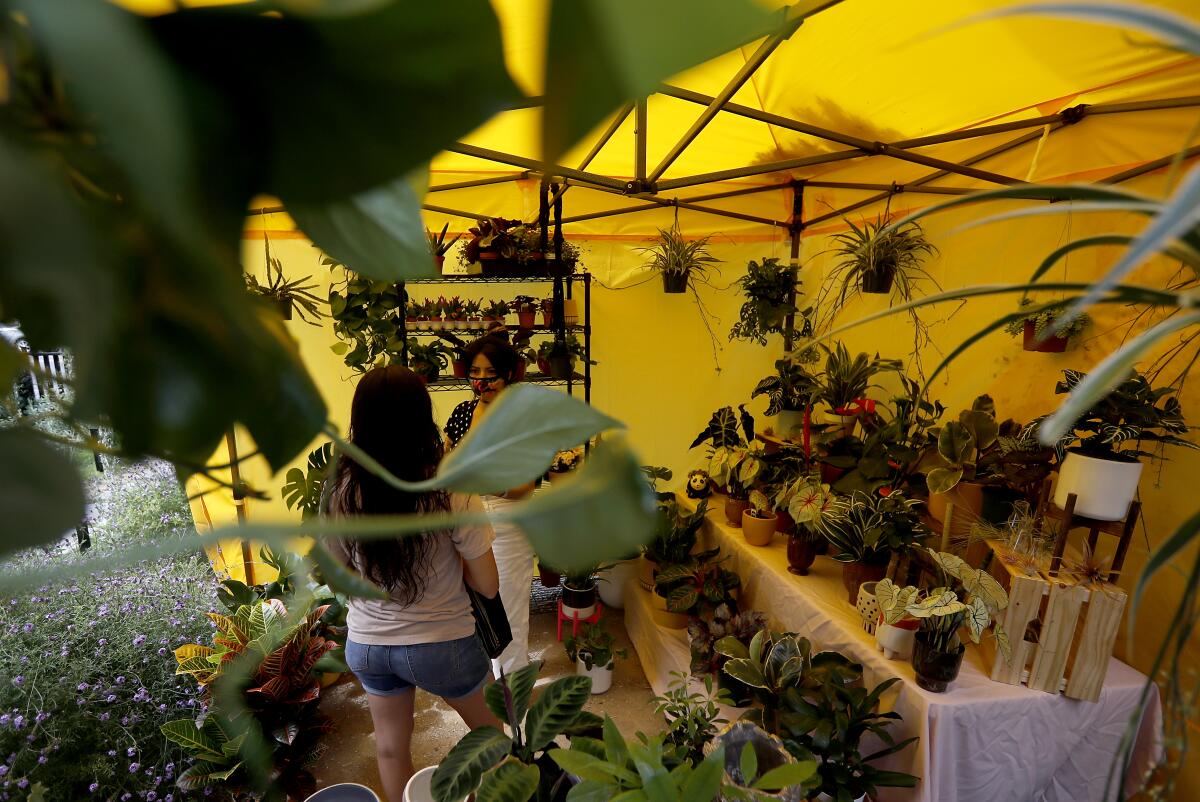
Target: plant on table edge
<point x="846" y="379"/>
<point x="737" y="468"/>
<point x="678" y="260"/>
<point x="770" y="292"/>
<point x="692" y="717"/>
<point x="289" y="295"/>
<point x="495" y="766"/>
<point x="870" y="528"/>
<point x="594" y="645"/>
<point x="676" y="534"/>
<point x="879" y="258"/>
<point x="697" y="585"/>
<point x="828" y="722"/>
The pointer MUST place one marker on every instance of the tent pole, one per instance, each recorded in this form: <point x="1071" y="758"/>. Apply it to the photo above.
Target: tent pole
<point x="639" y="142"/>
<point x="239" y="503"/>
<point x="534" y="164"/>
<point x="596" y="148"/>
<point x="480" y="182"/>
<point x="797" y="225"/>
<point x="1150" y="167"/>
<point x="733" y="193"/>
<point x="890" y="187"/>
<point x="453" y="212"/>
<point x="731" y="88"/>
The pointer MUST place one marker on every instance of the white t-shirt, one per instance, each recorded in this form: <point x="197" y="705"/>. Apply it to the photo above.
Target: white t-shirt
<point x="443" y="613"/>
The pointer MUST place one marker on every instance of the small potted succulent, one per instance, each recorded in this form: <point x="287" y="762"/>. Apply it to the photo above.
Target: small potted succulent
<point x="758" y="520"/>
<point x="412" y="313"/>
<point x="594" y="654"/>
<point x="459" y="363"/>
<point x="474" y="314"/>
<point x="525" y="307"/>
<point x="439" y="246"/>
<point x="437" y="310"/>
<point x="678" y="260"/>
<point x="1039" y="333"/>
<point x="865" y="530"/>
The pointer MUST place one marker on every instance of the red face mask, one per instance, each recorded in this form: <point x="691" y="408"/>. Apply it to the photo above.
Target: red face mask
<point x="483" y="384"/>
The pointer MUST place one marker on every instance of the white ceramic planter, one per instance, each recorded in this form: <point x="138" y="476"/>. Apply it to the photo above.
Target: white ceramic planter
<point x="868" y="607"/>
<point x="611" y="583"/>
<point x="601" y="677"/>
<point x="582" y="613"/>
<point x="418" y="787"/>
<point x="896" y="643"/>
<point x="791" y="422"/>
<point x="344" y="792"/>
<point x="1104" y="488"/>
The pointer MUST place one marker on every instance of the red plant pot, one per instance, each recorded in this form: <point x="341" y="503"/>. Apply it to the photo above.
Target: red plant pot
<point x="440" y="261"/>
<point x="831" y="473"/>
<point x="785" y="524"/>
<point x="1050" y="345"/>
<point x="543" y="365"/>
<point x="460" y="368"/>
<point x="801" y="552"/>
<point x="520" y="370"/>
<point x="856" y="573"/>
<point x="527" y="320"/>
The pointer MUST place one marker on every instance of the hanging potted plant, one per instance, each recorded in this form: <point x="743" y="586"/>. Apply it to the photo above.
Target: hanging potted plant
<point x="1100" y="453"/>
<point x="412" y="314"/>
<point x="439" y="246"/>
<point x="525" y="306"/>
<point x="769" y="289"/>
<point x="758" y="520"/>
<point x="287" y="296"/>
<point x="1039" y="333"/>
<point x="678" y="260"/>
<point x="594" y="654"/>
<point x="846" y="380"/>
<point x="877" y="256"/>
<point x="865" y="530"/>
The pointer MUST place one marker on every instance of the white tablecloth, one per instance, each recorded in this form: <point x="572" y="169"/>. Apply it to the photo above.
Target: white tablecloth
<point x="981" y="741"/>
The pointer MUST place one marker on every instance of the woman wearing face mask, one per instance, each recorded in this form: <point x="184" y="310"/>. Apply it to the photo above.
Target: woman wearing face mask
<point x="493" y="367"/>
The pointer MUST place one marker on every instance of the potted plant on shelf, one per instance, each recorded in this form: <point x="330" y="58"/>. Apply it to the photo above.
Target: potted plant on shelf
<point x="758" y="520"/>
<point x="557" y="360"/>
<point x="678" y="260"/>
<point x="846" y="380"/>
<point x="703" y="633"/>
<point x="287" y="295"/>
<point x="438" y="245"/>
<point x="697" y="586"/>
<point x="459" y="364"/>
<point x="570" y="312"/>
<point x="790" y="392"/>
<point x="1035" y="328"/>
<point x="938" y="650"/>
<point x="770" y="292"/>
<point x="594" y="654"/>
<point x="1100" y="454"/>
<point x="877" y="256"/>
<point x="490" y="241"/>
<point x="473" y="314"/>
<point x="525" y="307"/>
<point x="674" y="540"/>
<point x="428" y="360"/>
<point x="807" y="505"/>
<point x="487" y="755"/>
<point x="495" y="312"/>
<point x="866" y="530"/>
<point x="828" y="723"/>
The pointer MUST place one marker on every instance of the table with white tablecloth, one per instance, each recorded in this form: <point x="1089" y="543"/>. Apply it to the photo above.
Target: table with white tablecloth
<point x="980" y="740"/>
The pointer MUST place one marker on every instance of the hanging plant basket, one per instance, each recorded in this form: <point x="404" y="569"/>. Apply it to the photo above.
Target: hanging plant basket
<point x="675" y="283"/>
<point x="285" y="307"/>
<point x="1050" y="345"/>
<point x="878" y="282"/>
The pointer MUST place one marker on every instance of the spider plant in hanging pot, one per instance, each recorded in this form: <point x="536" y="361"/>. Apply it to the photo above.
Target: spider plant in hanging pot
<point x="678" y="260"/>
<point x="439" y="246"/>
<point x="1039" y="333"/>
<point x="287" y="296"/>
<point x="874" y="257"/>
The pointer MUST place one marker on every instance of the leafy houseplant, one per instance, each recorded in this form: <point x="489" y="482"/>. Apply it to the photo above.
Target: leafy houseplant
<point x="960" y="444"/>
<point x="1100" y="452"/>
<point x="828" y="723"/>
<point x="678" y="260"/>
<point x="525" y="307"/>
<point x="594" y="653"/>
<point x="691" y="717"/>
<point x="302" y="488"/>
<point x="759" y="767"/>
<point x="697" y="585"/>
<point x="758" y="520"/>
<point x="557" y="360"/>
<point x="496" y="311"/>
<point x="288" y="295"/>
<point x="438" y="246"/>
<point x="807" y="503"/>
<point x="847" y="379"/>
<point x="579" y="591"/>
<point x="770" y="292"/>
<point x="490" y="240"/>
<point x="366" y="319"/>
<point x="428" y="360"/>
<point x="703" y="634"/>
<point x="496" y="766"/>
<point x="874" y="256"/>
<point x="866" y="530"/>
<point x="790" y="392"/>
<point x="1043" y="331"/>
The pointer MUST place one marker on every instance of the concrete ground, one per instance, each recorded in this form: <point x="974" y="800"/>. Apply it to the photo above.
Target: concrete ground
<point x="350" y="748"/>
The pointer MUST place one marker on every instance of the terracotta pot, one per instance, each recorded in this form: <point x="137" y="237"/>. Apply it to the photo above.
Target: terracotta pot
<point x="548" y="318"/>
<point x="460" y="369"/>
<point x="440" y="261"/>
<point x="734" y="507"/>
<point x="521" y="367"/>
<point x="527" y="319"/>
<point x="1050" y="345"/>
<point x="855" y="573"/>
<point x="831" y="473"/>
<point x="967" y="496"/>
<point x="549" y="577"/>
<point x="488" y="256"/>
<point x="543" y="365"/>
<point x="801" y="552"/>
<point x="757" y="531"/>
<point x="935" y="669"/>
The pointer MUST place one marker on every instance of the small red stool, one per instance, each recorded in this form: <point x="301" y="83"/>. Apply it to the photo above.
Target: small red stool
<point x="575" y="619"/>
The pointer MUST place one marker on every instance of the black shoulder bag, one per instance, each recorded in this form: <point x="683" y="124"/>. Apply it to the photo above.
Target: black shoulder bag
<point x="491" y="622"/>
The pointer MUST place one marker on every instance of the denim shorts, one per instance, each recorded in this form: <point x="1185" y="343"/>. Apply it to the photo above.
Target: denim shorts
<point x="451" y="670"/>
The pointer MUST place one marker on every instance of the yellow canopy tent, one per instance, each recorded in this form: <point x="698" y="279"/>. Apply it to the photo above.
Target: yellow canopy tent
<point x="868" y="106"/>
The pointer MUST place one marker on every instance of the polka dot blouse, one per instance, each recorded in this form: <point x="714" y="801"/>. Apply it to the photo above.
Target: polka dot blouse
<point x="460" y="421"/>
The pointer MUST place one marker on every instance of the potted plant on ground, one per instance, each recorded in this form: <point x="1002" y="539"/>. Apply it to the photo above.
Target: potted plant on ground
<point x="758" y="766"/>
<point x="846" y="380"/>
<point x="486" y="757"/>
<point x="594" y="654"/>
<point x="828" y="723"/>
<point x="579" y="593"/>
<point x="674" y="539"/>
<point x="1100" y="454"/>
<point x="525" y="307"/>
<point x="678" y="260"/>
<point x="790" y="392"/>
<point x="697" y="586"/>
<point x="874" y="257"/>
<point x="691" y="717"/>
<point x="866" y="530"/>
<point x="287" y="296"/>
<point x="612" y="578"/>
<point x="428" y="360"/>
<point x="438" y="245"/>
<point x="770" y="292"/>
<point x="758" y="520"/>
<point x="703" y="633"/>
<point x="1038" y="331"/>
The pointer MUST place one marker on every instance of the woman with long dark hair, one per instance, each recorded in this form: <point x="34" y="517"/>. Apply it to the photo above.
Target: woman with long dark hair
<point x="492" y="363"/>
<point x="423" y="635"/>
